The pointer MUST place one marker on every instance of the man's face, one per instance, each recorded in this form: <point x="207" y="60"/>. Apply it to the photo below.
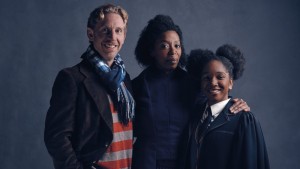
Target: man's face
<point x="108" y="36"/>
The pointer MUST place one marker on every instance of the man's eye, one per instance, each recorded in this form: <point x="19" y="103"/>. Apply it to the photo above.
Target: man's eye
<point x="118" y="31"/>
<point x="104" y="30"/>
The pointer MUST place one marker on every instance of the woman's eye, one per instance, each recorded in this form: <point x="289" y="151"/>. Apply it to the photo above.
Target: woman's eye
<point x="177" y="46"/>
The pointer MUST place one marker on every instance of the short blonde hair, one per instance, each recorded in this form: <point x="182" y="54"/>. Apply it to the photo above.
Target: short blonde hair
<point x="98" y="14"/>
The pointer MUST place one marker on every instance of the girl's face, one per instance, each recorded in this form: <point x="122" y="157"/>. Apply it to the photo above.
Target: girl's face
<point x="216" y="82"/>
<point x="167" y="51"/>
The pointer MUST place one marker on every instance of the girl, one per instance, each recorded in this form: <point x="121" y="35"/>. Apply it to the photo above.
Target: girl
<point x="219" y="139"/>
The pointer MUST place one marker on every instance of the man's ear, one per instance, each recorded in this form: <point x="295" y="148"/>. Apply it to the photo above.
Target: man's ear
<point x="90" y="34"/>
<point x="125" y="33"/>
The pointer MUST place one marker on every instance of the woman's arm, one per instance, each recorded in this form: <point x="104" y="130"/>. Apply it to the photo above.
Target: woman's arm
<point x="239" y="105"/>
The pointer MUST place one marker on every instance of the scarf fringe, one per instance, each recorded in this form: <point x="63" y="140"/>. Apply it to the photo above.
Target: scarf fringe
<point x="113" y="78"/>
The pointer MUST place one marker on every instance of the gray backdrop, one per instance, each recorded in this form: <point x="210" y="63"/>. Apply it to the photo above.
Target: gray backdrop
<point x="38" y="38"/>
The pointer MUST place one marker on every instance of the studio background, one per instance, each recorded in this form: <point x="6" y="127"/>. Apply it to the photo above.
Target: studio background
<point x="38" y="38"/>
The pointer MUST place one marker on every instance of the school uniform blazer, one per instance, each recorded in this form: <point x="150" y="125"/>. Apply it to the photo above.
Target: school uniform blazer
<point x="79" y="125"/>
<point x="233" y="141"/>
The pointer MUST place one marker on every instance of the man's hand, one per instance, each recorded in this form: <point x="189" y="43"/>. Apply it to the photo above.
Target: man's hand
<point x="239" y="104"/>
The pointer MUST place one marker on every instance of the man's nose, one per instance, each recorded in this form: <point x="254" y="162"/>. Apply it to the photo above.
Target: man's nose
<point x="111" y="34"/>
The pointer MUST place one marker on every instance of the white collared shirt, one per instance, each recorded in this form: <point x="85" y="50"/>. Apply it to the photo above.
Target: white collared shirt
<point x="217" y="108"/>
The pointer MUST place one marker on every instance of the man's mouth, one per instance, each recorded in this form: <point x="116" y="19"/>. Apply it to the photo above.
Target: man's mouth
<point x="109" y="45"/>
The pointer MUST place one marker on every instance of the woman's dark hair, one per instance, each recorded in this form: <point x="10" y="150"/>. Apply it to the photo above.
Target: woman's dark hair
<point x="155" y="28"/>
<point x="231" y="57"/>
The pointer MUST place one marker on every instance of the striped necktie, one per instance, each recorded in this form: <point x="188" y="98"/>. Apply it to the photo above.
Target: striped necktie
<point x="203" y="126"/>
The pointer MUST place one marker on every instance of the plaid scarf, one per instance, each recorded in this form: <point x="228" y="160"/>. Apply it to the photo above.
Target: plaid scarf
<point x="113" y="78"/>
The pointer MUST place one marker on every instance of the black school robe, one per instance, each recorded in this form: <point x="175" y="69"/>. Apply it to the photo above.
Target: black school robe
<point x="233" y="141"/>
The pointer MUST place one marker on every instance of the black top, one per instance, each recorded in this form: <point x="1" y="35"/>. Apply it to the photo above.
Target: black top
<point x="170" y="111"/>
<point x="162" y="113"/>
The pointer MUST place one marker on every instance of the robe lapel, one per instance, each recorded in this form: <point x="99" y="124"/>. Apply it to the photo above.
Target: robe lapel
<point x="222" y="119"/>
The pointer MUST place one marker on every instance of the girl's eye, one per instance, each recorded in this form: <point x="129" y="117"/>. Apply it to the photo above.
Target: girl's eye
<point x="220" y="77"/>
<point x="164" y="46"/>
<point x="206" y="78"/>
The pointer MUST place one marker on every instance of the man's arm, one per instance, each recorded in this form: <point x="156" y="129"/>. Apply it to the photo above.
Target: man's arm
<point x="59" y="125"/>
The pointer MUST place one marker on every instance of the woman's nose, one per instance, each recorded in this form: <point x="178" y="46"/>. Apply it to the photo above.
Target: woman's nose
<point x="172" y="50"/>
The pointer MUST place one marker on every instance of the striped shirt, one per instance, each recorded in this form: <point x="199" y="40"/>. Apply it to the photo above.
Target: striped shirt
<point x="119" y="153"/>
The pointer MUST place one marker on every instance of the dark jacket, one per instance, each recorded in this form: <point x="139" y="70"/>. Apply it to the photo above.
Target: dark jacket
<point x="180" y="97"/>
<point x="79" y="124"/>
<point x="233" y="141"/>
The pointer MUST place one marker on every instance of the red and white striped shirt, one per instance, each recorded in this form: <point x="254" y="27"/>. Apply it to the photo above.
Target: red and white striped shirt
<point x="119" y="153"/>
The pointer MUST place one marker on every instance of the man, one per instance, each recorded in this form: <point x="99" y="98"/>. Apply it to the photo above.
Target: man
<point x="88" y="124"/>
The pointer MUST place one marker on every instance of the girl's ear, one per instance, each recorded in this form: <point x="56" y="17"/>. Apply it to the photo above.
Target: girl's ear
<point x="230" y="84"/>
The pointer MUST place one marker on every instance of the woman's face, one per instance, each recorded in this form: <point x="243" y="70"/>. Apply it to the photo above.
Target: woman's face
<point x="216" y="82"/>
<point x="167" y="51"/>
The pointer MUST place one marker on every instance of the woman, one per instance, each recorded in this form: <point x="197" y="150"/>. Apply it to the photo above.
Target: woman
<point x="220" y="139"/>
<point x="164" y="93"/>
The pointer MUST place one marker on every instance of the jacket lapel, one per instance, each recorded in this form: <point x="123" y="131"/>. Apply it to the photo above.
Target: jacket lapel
<point x="97" y="92"/>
